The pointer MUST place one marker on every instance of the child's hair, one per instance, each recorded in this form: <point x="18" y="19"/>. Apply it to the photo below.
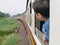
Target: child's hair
<point x="42" y="8"/>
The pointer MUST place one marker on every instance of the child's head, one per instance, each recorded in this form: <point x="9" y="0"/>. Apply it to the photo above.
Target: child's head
<point x="41" y="10"/>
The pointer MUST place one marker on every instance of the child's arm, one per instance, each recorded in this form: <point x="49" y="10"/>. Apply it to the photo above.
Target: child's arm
<point x="44" y="39"/>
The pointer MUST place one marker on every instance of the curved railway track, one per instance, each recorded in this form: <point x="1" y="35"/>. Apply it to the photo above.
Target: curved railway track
<point x="25" y="34"/>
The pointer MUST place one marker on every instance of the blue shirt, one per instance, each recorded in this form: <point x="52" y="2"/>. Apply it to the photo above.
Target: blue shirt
<point x="46" y="28"/>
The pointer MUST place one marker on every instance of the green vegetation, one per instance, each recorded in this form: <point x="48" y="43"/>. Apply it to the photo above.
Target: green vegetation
<point x="4" y="14"/>
<point x="12" y="39"/>
<point x="7" y="31"/>
<point x="8" y="24"/>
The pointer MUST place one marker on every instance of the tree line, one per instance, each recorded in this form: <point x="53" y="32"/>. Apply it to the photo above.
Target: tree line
<point x="4" y="14"/>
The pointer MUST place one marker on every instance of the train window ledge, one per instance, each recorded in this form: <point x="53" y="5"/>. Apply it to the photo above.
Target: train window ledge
<point x="39" y="36"/>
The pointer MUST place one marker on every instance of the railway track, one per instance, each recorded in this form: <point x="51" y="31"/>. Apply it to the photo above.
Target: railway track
<point x="25" y="34"/>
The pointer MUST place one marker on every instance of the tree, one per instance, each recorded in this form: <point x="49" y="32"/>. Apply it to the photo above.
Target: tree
<point x="4" y="14"/>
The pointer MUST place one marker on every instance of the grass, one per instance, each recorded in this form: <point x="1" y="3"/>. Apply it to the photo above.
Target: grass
<point x="8" y="24"/>
<point x="7" y="28"/>
<point x="1" y="38"/>
<point x="11" y="39"/>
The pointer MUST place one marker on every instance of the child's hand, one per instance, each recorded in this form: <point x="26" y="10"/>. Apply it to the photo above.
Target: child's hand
<point x="44" y="39"/>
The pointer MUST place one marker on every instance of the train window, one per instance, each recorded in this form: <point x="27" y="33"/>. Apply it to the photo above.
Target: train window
<point x="34" y="23"/>
<point x="38" y="24"/>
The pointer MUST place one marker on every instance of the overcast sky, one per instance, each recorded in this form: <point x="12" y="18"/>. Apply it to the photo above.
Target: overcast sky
<point x="12" y="6"/>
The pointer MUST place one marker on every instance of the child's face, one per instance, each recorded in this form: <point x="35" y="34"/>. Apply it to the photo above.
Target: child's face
<point x="39" y="17"/>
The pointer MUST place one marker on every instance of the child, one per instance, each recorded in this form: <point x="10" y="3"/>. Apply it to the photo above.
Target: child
<point x="42" y="13"/>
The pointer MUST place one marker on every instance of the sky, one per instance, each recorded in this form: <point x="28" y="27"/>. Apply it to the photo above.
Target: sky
<point x="12" y="6"/>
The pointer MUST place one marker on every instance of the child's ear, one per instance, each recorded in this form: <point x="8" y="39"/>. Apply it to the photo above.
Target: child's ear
<point x="39" y="15"/>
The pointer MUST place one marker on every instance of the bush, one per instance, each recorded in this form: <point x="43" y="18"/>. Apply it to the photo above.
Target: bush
<point x="11" y="39"/>
<point x="7" y="27"/>
<point x="8" y="24"/>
